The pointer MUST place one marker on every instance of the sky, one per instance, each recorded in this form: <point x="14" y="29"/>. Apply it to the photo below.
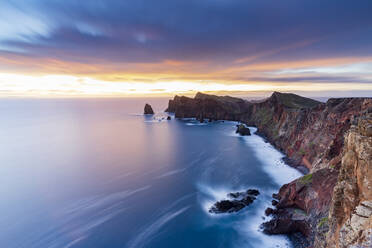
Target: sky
<point x="143" y="47"/>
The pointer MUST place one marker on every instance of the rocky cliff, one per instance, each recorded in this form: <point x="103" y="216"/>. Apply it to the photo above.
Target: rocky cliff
<point x="311" y="134"/>
<point x="350" y="217"/>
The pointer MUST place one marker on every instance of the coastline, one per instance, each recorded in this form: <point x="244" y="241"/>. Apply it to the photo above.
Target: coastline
<point x="311" y="135"/>
<point x="279" y="172"/>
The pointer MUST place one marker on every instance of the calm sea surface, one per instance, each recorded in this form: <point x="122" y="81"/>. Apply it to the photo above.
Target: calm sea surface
<point x="97" y="173"/>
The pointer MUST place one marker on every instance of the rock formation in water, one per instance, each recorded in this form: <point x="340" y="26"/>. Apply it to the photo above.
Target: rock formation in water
<point x="331" y="205"/>
<point x="242" y="130"/>
<point x="148" y="110"/>
<point x="236" y="202"/>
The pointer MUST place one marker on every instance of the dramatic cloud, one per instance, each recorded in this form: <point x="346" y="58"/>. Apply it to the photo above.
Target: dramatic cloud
<point x="226" y="40"/>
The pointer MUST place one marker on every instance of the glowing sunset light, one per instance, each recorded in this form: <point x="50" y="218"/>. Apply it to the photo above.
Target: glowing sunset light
<point x="126" y="48"/>
<point x="62" y="85"/>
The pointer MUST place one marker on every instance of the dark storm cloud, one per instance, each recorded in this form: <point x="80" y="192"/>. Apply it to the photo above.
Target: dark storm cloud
<point x="215" y="31"/>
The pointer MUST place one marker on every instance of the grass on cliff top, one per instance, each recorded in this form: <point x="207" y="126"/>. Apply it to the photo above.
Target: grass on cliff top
<point x="306" y="179"/>
<point x="227" y="99"/>
<point x="295" y="101"/>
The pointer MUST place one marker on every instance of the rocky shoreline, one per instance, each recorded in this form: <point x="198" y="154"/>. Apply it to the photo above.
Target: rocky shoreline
<point x="331" y="206"/>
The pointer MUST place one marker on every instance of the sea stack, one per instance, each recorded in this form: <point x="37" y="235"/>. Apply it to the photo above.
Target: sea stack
<point x="148" y="109"/>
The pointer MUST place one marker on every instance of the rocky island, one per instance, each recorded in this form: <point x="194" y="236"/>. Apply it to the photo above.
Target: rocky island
<point x="242" y="130"/>
<point x="148" y="109"/>
<point x="235" y="202"/>
<point x="331" y="206"/>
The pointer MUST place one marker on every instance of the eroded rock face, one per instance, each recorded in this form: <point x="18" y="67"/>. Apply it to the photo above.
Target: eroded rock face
<point x="302" y="204"/>
<point x="351" y="208"/>
<point x="235" y="202"/>
<point x="148" y="110"/>
<point x="312" y="137"/>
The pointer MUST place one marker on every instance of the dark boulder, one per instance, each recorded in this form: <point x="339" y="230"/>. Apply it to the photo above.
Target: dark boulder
<point x="148" y="110"/>
<point x="269" y="211"/>
<point x="286" y="221"/>
<point x="235" y="195"/>
<point x="238" y="201"/>
<point x="243" y="130"/>
<point x="276" y="196"/>
<point x="254" y="192"/>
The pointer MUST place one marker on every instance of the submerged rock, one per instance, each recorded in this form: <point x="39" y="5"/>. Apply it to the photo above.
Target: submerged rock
<point x="237" y="201"/>
<point x="148" y="110"/>
<point x="243" y="130"/>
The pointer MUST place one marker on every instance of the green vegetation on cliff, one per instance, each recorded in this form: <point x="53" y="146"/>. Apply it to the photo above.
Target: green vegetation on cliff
<point x="295" y="101"/>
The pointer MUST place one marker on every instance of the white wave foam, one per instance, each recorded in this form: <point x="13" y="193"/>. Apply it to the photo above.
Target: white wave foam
<point x="251" y="225"/>
<point x="281" y="173"/>
<point x="172" y="172"/>
<point x="156" y="121"/>
<point x="79" y="219"/>
<point x="119" y="177"/>
<point x="74" y="242"/>
<point x="196" y="124"/>
<point x="99" y="201"/>
<point x="212" y="194"/>
<point x="271" y="158"/>
<point x="147" y="234"/>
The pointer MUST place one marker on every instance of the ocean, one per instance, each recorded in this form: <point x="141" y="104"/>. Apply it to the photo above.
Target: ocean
<point x="97" y="173"/>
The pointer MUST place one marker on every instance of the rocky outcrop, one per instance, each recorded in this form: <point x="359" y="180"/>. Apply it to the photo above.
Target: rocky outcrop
<point x="235" y="202"/>
<point x="302" y="204"/>
<point x="242" y="130"/>
<point x="350" y="218"/>
<point x="335" y="197"/>
<point x="205" y="106"/>
<point x="148" y="110"/>
<point x="311" y="135"/>
<point x="336" y="200"/>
